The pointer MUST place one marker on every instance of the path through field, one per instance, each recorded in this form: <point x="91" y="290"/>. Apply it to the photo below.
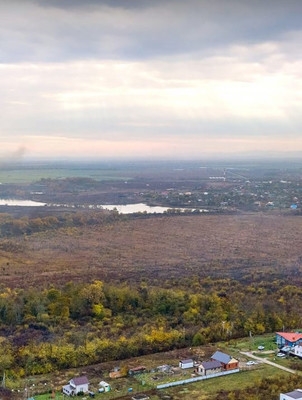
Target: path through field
<point x="264" y="360"/>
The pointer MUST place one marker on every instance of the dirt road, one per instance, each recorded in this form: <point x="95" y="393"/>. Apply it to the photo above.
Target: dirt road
<point x="264" y="360"/>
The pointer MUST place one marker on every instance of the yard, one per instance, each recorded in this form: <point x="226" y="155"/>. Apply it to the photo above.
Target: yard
<point x="147" y="382"/>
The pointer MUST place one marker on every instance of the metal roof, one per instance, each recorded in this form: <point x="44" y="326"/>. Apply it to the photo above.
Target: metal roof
<point x="80" y="380"/>
<point x="222" y="357"/>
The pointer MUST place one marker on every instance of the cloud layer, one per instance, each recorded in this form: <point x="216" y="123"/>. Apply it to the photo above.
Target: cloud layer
<point x="166" y="79"/>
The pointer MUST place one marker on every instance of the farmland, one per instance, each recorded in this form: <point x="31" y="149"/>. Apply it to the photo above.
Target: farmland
<point x="165" y="249"/>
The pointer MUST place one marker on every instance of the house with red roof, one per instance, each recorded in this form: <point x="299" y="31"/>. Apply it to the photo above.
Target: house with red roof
<point x="288" y="339"/>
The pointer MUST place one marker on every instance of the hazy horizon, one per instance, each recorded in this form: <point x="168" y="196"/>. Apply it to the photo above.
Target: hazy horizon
<point x="277" y="157"/>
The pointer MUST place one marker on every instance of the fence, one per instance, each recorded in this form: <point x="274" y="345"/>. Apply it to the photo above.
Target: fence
<point x="196" y="379"/>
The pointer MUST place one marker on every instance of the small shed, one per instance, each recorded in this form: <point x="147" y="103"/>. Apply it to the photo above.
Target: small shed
<point x="104" y="385"/>
<point x="188" y="363"/>
<point x="137" y="370"/>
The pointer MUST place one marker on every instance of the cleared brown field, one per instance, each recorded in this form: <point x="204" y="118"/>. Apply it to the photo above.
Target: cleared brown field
<point x="161" y="249"/>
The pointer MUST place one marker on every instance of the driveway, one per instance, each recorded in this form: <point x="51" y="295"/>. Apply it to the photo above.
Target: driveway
<point x="264" y="360"/>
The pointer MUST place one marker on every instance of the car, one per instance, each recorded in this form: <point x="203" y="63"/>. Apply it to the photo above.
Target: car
<point x="251" y="363"/>
<point x="281" y="355"/>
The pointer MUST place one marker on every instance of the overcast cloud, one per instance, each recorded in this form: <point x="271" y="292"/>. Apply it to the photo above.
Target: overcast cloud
<point x="140" y="78"/>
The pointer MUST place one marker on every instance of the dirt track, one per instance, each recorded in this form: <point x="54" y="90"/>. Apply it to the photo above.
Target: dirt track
<point x="264" y="360"/>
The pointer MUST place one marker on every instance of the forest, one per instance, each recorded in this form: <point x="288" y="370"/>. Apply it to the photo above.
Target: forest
<point x="85" y="323"/>
<point x="43" y="331"/>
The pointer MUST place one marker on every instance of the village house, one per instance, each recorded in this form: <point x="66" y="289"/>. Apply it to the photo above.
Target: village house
<point x="294" y="395"/>
<point x="76" y="385"/>
<point x="208" y="368"/>
<point x="227" y="362"/>
<point x="288" y="338"/>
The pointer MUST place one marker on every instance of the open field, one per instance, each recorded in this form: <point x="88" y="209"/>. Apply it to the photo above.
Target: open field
<point x="162" y="248"/>
<point x="32" y="172"/>
<point x="204" y="390"/>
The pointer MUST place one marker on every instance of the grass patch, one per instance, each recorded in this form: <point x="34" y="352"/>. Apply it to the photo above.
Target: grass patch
<point x="207" y="388"/>
<point x="251" y="344"/>
<point x="28" y="175"/>
<point x="197" y="390"/>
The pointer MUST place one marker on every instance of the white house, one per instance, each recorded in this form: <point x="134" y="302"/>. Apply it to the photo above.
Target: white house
<point x="294" y="395"/>
<point x="188" y="363"/>
<point x="297" y="350"/>
<point x="76" y="385"/>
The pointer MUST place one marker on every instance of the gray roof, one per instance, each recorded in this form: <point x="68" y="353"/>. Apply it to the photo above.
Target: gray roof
<point x="296" y="394"/>
<point x="211" y="364"/>
<point x="222" y="357"/>
<point x="81" y="380"/>
<point x="187" y="361"/>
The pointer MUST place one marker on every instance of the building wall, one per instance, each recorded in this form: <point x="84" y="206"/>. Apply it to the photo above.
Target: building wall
<point x="186" y="365"/>
<point x="212" y="371"/>
<point x="82" y="388"/>
<point x="281" y="341"/>
<point x="298" y="350"/>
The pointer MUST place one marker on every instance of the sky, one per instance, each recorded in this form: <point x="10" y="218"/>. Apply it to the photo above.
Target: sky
<point x="160" y="79"/>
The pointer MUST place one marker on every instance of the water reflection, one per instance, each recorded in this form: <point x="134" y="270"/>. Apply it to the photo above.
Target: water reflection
<point x="134" y="208"/>
<point x="21" y="203"/>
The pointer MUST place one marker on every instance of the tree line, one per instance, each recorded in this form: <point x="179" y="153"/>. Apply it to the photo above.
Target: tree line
<point x="27" y="225"/>
<point x="43" y="330"/>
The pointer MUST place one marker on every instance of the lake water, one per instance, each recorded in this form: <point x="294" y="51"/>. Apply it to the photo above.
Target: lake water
<point x="134" y="208"/>
<point x="21" y="203"/>
<point x="122" y="209"/>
